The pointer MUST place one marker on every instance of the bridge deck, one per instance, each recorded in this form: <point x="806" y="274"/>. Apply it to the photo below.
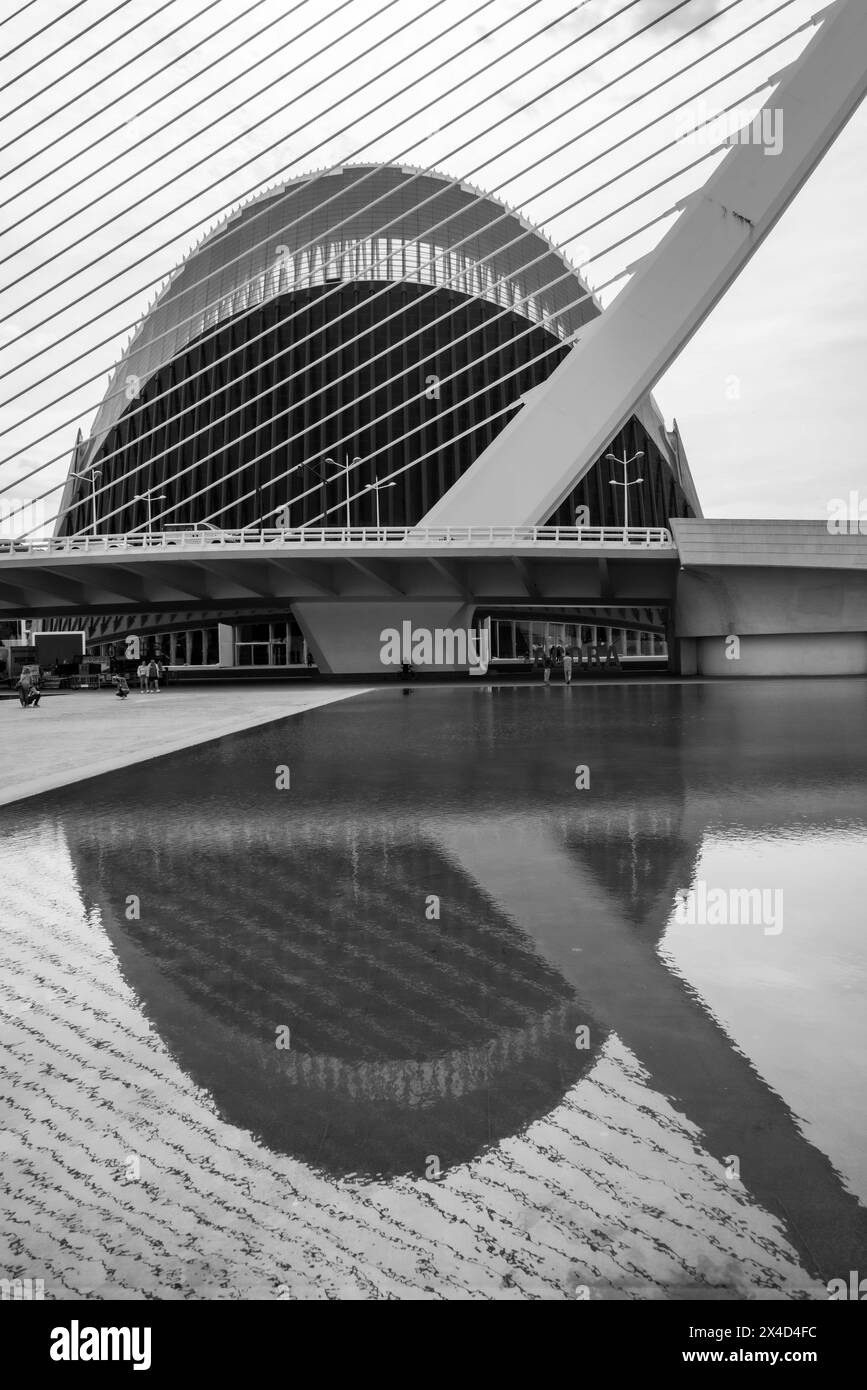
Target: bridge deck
<point x="340" y="540"/>
<point x="209" y="570"/>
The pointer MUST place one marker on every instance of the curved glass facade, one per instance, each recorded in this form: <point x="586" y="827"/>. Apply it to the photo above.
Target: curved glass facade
<point x="384" y="318"/>
<point x="280" y="339"/>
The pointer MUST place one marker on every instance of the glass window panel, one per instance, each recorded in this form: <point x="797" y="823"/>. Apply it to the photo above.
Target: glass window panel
<point x="253" y="654"/>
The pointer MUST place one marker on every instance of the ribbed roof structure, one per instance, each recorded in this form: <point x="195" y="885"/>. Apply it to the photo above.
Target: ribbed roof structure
<point x="356" y="222"/>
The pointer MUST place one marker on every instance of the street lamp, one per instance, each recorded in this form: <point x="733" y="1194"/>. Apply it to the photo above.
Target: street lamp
<point x="282" y="513"/>
<point x="376" y="487"/>
<point x="626" y="485"/>
<point x="257" y="507"/>
<point x="92" y="474"/>
<point x="335" y="464"/>
<point x="148" y="497"/>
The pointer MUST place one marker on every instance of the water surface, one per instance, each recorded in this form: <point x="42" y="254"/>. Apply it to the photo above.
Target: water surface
<point x="430" y="917"/>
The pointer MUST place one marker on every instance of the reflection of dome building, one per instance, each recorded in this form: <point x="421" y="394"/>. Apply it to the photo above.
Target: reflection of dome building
<point x="403" y="1039"/>
<point x="410" y="1035"/>
<point x="298" y="330"/>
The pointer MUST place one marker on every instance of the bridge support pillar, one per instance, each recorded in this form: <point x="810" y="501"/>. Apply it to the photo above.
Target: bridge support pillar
<point x="781" y="620"/>
<point x="783" y="654"/>
<point x="346" y="638"/>
<point x="685" y="656"/>
<point x="226" y="641"/>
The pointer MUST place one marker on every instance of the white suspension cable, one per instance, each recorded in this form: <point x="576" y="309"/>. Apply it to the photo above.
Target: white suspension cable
<point x="155" y="223"/>
<point x="30" y="37"/>
<point x="333" y="382"/>
<point x="441" y="444"/>
<point x="193" y="136"/>
<point x="88" y="58"/>
<point x="200" y="462"/>
<point x="392" y="443"/>
<point x="303" y="184"/>
<point x="124" y="96"/>
<point x="430" y="231"/>
<point x="15" y="13"/>
<point x="164" y="96"/>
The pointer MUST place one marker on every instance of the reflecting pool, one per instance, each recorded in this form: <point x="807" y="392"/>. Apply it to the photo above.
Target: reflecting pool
<point x="401" y="997"/>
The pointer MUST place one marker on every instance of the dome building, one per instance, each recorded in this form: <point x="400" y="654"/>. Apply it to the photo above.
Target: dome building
<point x="341" y="349"/>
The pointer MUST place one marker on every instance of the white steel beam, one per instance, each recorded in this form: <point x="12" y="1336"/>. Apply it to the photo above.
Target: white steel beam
<point x="565" y="424"/>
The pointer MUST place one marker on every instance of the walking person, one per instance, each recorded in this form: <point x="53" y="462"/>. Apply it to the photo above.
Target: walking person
<point x="567" y="666"/>
<point x="153" y="677"/>
<point x="142" y="673"/>
<point x="546" y="666"/>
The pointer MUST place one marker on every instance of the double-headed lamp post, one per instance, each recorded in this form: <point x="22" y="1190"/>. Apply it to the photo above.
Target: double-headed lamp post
<point x="92" y="474"/>
<point x="335" y="464"/>
<point x="282" y="513"/>
<point x="376" y="487"/>
<point x="625" y="464"/>
<point x="148" y="497"/>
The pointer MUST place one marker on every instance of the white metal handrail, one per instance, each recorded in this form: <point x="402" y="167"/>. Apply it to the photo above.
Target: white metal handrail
<point x="642" y="537"/>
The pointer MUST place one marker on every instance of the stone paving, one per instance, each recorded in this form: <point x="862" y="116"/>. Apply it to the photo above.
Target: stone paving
<point x="74" y="735"/>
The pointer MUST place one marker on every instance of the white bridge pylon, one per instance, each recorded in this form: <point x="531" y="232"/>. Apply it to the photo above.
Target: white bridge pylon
<point x="565" y="424"/>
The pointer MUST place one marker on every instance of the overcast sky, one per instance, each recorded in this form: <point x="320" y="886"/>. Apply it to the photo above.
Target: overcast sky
<point x="768" y="395"/>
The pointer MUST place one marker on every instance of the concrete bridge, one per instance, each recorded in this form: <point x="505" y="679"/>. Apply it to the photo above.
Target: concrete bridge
<point x="139" y="572"/>
<point x="792" y="593"/>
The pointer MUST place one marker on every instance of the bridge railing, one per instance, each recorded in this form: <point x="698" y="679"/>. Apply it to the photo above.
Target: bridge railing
<point x="308" y="538"/>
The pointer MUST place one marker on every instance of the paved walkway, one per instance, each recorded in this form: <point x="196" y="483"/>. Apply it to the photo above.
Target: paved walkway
<point x="81" y="734"/>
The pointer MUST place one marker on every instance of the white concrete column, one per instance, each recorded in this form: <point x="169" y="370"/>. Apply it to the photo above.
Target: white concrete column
<point x="346" y="638"/>
<point x="226" y="639"/>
